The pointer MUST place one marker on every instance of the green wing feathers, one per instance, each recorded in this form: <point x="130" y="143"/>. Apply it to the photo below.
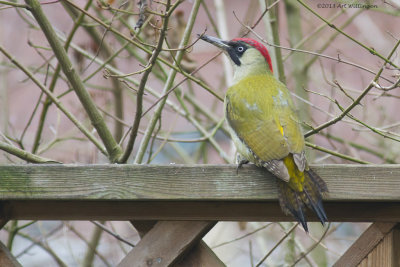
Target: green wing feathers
<point x="264" y="117"/>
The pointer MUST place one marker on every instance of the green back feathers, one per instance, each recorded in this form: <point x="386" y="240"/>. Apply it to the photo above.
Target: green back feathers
<point x="260" y="111"/>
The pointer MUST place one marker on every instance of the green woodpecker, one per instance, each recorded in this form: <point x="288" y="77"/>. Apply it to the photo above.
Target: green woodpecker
<point x="265" y="128"/>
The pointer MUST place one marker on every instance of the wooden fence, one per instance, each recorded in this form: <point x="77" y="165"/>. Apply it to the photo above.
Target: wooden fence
<point x="186" y="202"/>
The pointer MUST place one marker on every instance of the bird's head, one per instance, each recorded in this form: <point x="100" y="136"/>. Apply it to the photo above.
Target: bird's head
<point x="248" y="56"/>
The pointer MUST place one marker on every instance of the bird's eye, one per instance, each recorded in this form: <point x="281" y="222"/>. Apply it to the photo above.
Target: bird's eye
<point x="240" y="49"/>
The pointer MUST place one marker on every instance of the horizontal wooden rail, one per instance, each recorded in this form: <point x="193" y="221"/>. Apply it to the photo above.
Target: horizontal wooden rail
<point x="182" y="192"/>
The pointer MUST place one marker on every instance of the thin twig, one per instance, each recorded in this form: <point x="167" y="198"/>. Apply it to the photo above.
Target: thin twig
<point x="371" y="50"/>
<point x="373" y="129"/>
<point x="303" y="255"/>
<point x="336" y="154"/>
<point x="25" y="155"/>
<point x="97" y="120"/>
<point x="181" y="82"/>
<point x="277" y="244"/>
<point x="40" y="242"/>
<point x="105" y="229"/>
<point x="356" y="102"/>
<point x="142" y="47"/>
<point x="157" y="94"/>
<point x="186" y="47"/>
<point x="107" y="73"/>
<point x="337" y="59"/>
<point x="243" y="236"/>
<point x="91" y="247"/>
<point x="53" y="82"/>
<point x="101" y="41"/>
<point x="12" y="4"/>
<point x="21" y="138"/>
<point x="56" y="101"/>
<point x="168" y="84"/>
<point x="312" y="34"/>
<point x="387" y="88"/>
<point x="140" y="91"/>
<point x="372" y="151"/>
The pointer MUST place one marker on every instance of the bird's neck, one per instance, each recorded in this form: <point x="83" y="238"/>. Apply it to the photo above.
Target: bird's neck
<point x="247" y="70"/>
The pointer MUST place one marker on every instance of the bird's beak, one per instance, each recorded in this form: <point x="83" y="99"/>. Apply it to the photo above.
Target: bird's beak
<point x="215" y="41"/>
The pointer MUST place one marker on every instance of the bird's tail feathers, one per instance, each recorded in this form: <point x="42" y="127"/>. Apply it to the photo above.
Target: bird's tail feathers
<point x="293" y="202"/>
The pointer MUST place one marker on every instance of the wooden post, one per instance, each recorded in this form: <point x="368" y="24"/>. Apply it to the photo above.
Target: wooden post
<point x="378" y="244"/>
<point x="386" y="253"/>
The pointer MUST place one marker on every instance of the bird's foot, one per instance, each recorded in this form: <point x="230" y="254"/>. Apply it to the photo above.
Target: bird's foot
<point x="240" y="162"/>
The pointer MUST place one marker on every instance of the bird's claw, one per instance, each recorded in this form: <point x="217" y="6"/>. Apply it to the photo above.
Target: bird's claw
<point x="241" y="162"/>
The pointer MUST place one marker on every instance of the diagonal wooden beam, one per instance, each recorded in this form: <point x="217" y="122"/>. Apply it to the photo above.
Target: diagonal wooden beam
<point x="166" y="242"/>
<point x="3" y="222"/>
<point x="200" y="255"/>
<point x="386" y="253"/>
<point x="6" y="258"/>
<point x="364" y="244"/>
<point x="143" y="227"/>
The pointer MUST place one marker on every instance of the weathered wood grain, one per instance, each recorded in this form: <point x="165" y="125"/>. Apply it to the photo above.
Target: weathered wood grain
<point x="183" y="182"/>
<point x="6" y="258"/>
<point x="142" y="227"/>
<point x="165" y="243"/>
<point x="181" y="192"/>
<point x="386" y="253"/>
<point x="365" y="244"/>
<point x="200" y="255"/>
